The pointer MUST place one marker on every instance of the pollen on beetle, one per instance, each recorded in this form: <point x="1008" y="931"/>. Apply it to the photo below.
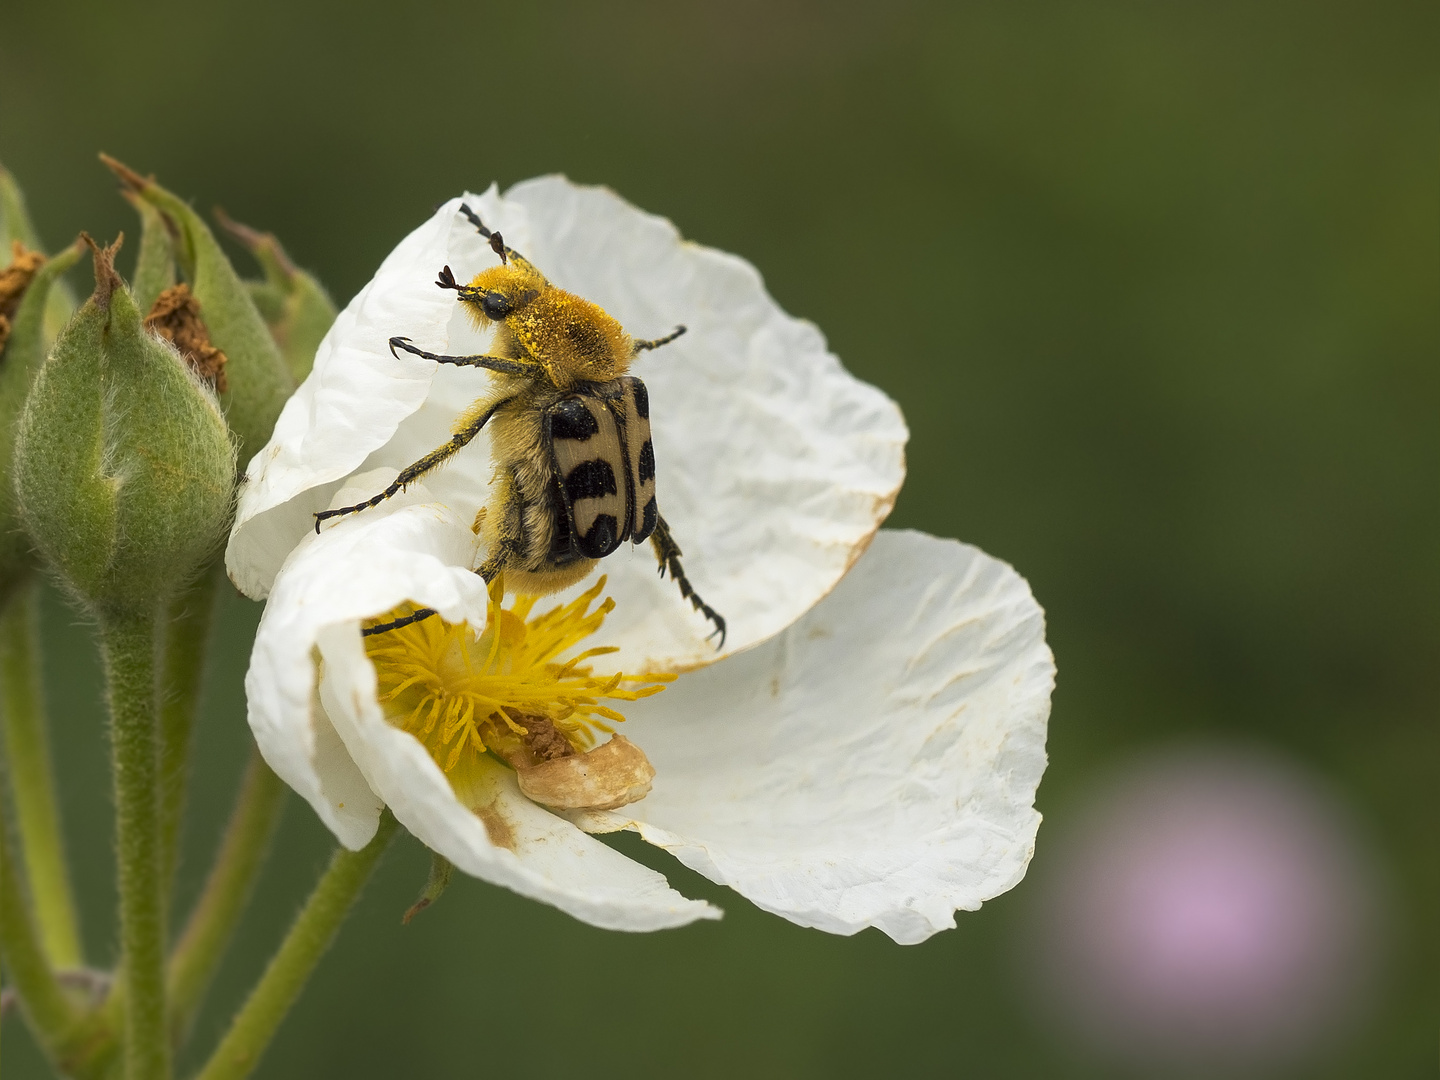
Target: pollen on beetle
<point x="509" y="690"/>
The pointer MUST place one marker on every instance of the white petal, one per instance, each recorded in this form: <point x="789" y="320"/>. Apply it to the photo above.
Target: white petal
<point x="351" y="404"/>
<point x="876" y="764"/>
<point x="348" y="762"/>
<point x="505" y="839"/>
<point x="774" y="465"/>
<point x="364" y="566"/>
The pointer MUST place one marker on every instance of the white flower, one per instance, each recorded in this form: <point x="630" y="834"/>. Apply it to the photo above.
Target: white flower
<point x="872" y="764"/>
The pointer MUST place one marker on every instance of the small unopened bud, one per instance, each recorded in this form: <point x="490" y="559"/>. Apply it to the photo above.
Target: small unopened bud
<point x="14" y="280"/>
<point x="155" y="263"/>
<point x="123" y="464"/>
<point x="259" y="380"/>
<point x="440" y="870"/>
<point x="21" y="353"/>
<point x="15" y="225"/>
<point x="293" y="303"/>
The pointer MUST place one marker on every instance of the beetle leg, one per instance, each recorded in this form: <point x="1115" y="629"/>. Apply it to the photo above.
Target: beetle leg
<point x="668" y="553"/>
<point x="509" y="542"/>
<point x="411" y="473"/>
<point x="395" y="624"/>
<point x="502" y="364"/>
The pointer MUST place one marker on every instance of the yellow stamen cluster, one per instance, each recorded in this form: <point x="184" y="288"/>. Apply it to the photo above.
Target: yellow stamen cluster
<point x="455" y="689"/>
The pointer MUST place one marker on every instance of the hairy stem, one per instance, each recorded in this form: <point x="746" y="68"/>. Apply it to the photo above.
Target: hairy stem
<point x="186" y="634"/>
<point x="128" y="645"/>
<point x="41" y="995"/>
<point x="310" y="935"/>
<point x="227" y="890"/>
<point x="32" y="779"/>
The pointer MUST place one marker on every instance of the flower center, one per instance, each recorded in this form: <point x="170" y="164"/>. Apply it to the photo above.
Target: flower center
<point x="505" y="690"/>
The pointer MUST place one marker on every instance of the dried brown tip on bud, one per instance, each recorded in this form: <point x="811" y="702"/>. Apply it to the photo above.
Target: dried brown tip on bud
<point x="14" y="280"/>
<point x="606" y="778"/>
<point x="106" y="279"/>
<point x="128" y="176"/>
<point x="255" y="241"/>
<point x="176" y="318"/>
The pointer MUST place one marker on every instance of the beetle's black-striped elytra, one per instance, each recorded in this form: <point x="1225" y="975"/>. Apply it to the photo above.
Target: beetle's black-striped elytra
<point x="570" y="435"/>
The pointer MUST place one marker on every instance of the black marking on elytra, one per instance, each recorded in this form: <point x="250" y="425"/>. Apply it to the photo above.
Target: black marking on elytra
<point x="645" y="466"/>
<point x="642" y="399"/>
<point x="591" y="480"/>
<point x="648" y="517"/>
<point x="603" y="537"/>
<point x="572" y="419"/>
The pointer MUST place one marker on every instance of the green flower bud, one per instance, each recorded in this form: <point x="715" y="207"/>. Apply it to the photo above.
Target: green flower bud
<point x="259" y="380"/>
<point x="123" y="463"/>
<point x="25" y="293"/>
<point x="15" y="225"/>
<point x="155" y="264"/>
<point x="293" y="303"/>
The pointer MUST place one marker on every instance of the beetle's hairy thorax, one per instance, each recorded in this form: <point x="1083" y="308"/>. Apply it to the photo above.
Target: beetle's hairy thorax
<point x="574" y="339"/>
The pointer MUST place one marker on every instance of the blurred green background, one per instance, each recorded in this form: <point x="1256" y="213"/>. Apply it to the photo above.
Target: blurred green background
<point x="1156" y="286"/>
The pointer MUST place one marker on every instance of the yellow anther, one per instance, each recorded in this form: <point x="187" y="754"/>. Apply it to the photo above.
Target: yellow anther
<point x="461" y="692"/>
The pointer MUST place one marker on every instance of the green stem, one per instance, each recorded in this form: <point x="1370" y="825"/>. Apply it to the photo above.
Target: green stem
<point x="232" y="878"/>
<point x="41" y="995"/>
<point x="32" y="779"/>
<point x="128" y="644"/>
<point x="186" y="634"/>
<point x="310" y="935"/>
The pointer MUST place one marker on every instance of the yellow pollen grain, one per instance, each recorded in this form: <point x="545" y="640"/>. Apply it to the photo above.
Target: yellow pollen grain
<point x="457" y="690"/>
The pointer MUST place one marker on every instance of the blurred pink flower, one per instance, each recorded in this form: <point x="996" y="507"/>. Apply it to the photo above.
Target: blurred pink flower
<point x="1210" y="906"/>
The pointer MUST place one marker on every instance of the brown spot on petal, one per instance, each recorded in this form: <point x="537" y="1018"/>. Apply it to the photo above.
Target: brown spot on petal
<point x="176" y="318"/>
<point x="500" y="831"/>
<point x="605" y="778"/>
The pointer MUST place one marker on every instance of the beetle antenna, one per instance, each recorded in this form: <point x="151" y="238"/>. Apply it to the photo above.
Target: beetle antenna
<point x="446" y="280"/>
<point x="497" y="245"/>
<point x="655" y="343"/>
<point x="474" y="219"/>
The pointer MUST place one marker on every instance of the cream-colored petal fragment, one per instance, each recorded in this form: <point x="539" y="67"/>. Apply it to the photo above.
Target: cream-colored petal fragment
<point x="608" y="777"/>
<point x="876" y="764"/>
<point x="351" y="404"/>
<point x="362" y="567"/>
<point x="495" y="833"/>
<point x="774" y="465"/>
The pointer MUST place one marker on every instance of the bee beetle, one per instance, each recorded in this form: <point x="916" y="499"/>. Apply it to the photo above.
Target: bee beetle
<point x="570" y="435"/>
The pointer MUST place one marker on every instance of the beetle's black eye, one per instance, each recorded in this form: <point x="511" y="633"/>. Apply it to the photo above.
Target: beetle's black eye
<point x="495" y="306"/>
